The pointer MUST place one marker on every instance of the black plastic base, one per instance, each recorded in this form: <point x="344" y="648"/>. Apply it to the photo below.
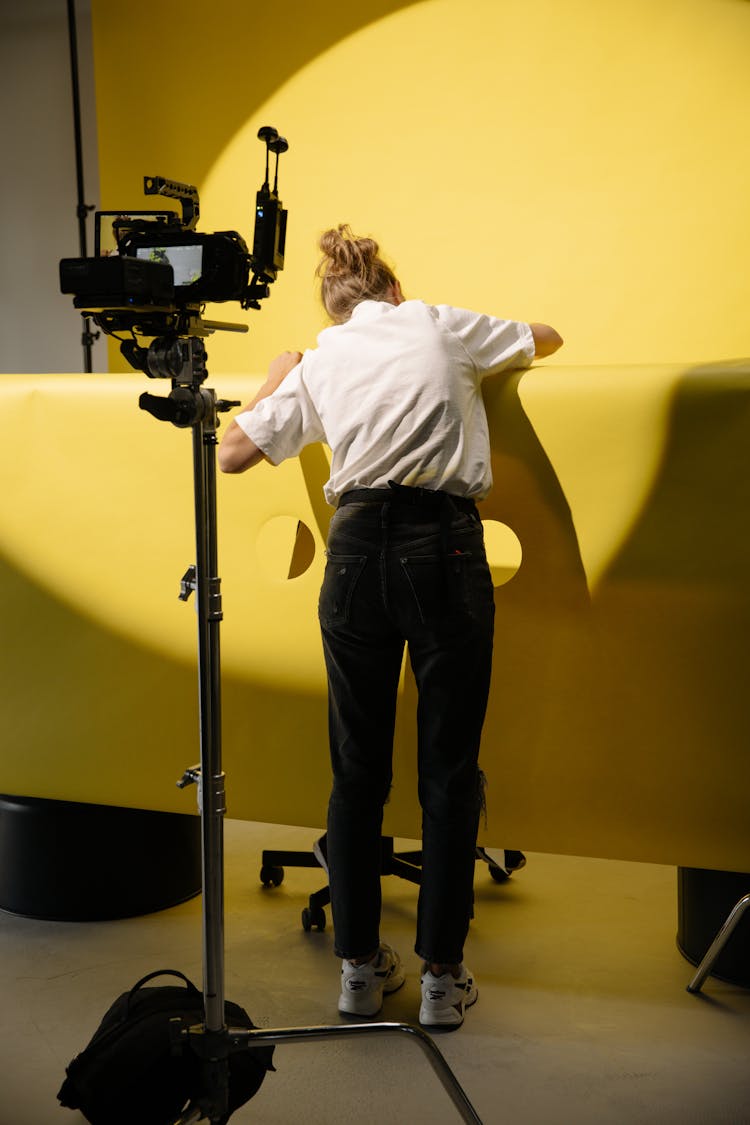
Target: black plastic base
<point x="71" y="862"/>
<point x="704" y="901"/>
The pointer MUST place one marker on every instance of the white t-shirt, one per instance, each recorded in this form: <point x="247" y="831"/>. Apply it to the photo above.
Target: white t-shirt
<point x="395" y="393"/>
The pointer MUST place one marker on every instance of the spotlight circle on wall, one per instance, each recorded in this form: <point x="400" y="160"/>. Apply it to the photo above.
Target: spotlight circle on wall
<point x="494" y="179"/>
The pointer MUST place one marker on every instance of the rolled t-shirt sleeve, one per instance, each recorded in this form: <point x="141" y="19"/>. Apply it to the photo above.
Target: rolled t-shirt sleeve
<point x="285" y="422"/>
<point x="492" y="344"/>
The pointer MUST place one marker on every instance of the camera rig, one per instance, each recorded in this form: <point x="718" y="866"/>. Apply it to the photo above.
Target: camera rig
<point x="153" y="273"/>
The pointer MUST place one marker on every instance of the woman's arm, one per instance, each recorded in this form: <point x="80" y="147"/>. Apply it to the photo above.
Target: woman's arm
<point x="237" y="452"/>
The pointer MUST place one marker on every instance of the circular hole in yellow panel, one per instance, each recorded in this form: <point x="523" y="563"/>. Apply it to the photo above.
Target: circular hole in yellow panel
<point x="285" y="547"/>
<point x="504" y="552"/>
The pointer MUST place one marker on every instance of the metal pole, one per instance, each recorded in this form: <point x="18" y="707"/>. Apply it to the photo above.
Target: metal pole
<point x="82" y="208"/>
<point x="212" y="792"/>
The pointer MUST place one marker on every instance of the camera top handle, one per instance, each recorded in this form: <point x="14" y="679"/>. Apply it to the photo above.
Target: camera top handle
<point x="186" y="193"/>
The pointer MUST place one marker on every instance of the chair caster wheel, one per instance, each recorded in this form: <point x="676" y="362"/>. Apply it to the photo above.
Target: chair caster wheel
<point x="315" y="917"/>
<point x="510" y="861"/>
<point x="271" y="876"/>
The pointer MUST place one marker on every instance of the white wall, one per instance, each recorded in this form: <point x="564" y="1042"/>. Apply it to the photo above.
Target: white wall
<point x="39" y="329"/>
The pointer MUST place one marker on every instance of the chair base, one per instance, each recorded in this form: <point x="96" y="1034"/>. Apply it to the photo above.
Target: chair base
<point x="405" y="865"/>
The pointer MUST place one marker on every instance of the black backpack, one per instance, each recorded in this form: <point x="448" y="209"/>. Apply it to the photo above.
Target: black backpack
<point x="130" y="1070"/>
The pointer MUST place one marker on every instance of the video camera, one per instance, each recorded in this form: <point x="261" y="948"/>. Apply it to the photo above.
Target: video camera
<point x="152" y="272"/>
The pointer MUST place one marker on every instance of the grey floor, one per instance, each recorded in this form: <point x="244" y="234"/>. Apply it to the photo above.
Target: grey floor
<point x="582" y="1017"/>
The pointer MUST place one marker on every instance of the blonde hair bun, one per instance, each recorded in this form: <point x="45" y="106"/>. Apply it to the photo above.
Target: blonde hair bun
<point x="345" y="253"/>
<point x="351" y="270"/>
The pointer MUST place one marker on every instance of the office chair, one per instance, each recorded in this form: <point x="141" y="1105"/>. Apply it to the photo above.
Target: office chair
<point x="501" y="863"/>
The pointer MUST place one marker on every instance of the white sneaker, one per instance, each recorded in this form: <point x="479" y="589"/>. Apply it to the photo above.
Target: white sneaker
<point x="320" y="851"/>
<point x="362" y="986"/>
<point x="444" y="998"/>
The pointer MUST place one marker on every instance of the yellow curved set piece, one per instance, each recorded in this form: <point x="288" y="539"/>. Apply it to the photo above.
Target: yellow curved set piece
<point x="619" y="539"/>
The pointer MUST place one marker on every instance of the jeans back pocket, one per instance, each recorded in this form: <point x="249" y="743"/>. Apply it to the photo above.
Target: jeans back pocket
<point x="439" y="585"/>
<point x="339" y="582"/>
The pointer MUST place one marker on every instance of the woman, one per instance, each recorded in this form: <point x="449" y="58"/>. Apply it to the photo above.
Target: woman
<point x="394" y="388"/>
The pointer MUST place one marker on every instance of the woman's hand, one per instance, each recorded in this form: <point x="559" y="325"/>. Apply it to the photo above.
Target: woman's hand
<point x="280" y="367"/>
<point x="236" y="451"/>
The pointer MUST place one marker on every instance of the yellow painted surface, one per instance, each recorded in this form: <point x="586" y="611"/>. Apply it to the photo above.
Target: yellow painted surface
<point x="619" y="712"/>
<point x="585" y="164"/>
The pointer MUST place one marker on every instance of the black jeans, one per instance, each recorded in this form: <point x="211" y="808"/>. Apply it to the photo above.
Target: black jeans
<point x="399" y="572"/>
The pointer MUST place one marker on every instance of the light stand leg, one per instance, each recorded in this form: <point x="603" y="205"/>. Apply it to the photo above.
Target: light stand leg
<point x="343" y="1031"/>
<point x="718" y="944"/>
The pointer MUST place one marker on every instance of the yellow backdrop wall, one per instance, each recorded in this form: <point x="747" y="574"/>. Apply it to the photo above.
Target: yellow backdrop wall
<point x="582" y="163"/>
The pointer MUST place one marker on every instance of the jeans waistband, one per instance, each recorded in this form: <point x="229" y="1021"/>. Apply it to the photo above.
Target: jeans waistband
<point x="426" y="498"/>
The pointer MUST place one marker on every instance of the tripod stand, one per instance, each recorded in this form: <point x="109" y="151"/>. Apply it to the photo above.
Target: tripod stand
<point x="192" y="405"/>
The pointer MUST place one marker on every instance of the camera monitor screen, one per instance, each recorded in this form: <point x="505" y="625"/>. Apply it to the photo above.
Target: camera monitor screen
<point x="186" y="261"/>
<point x="110" y="226"/>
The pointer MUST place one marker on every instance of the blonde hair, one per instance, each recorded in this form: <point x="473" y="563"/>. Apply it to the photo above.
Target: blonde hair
<point x="351" y="271"/>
